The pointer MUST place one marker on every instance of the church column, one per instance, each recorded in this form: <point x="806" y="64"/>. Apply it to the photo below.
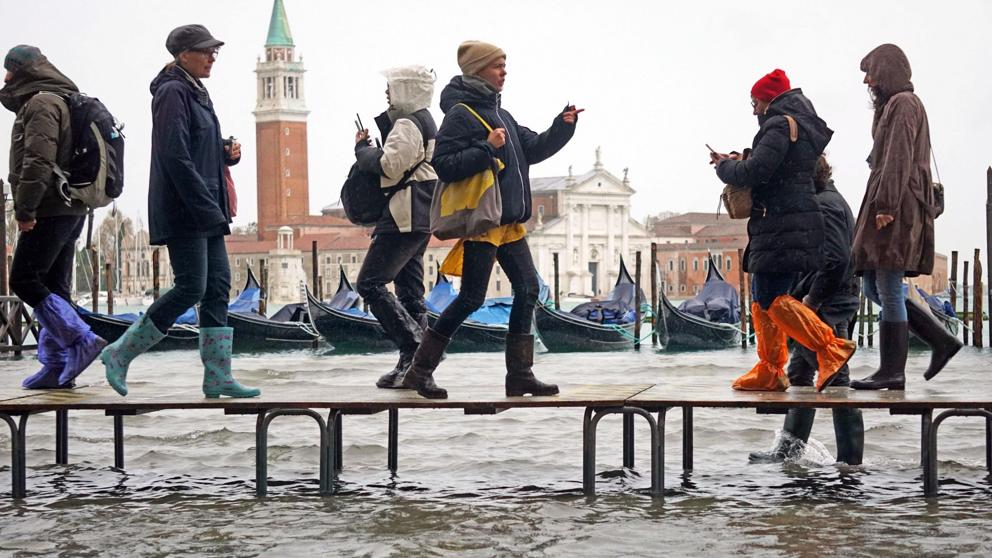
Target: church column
<point x="609" y="262"/>
<point x="584" y="261"/>
<point x="566" y="266"/>
<point x="625" y="228"/>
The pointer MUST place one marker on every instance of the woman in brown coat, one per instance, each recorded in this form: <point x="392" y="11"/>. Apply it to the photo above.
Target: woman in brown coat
<point x="894" y="235"/>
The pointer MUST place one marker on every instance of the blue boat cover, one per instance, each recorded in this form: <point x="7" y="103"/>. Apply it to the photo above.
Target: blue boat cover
<point x="495" y="311"/>
<point x="936" y="305"/>
<point x="618" y="307"/>
<point x="718" y="302"/>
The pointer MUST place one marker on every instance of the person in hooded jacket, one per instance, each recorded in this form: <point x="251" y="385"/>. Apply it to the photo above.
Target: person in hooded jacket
<point x="833" y="292"/>
<point x="785" y="232"/>
<point x="188" y="212"/>
<point x="402" y="233"/>
<point x="894" y="235"/>
<point x="464" y="148"/>
<point x="48" y="221"/>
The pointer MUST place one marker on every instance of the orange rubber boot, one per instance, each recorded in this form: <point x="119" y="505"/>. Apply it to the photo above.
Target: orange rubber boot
<point x="802" y="324"/>
<point x="773" y="355"/>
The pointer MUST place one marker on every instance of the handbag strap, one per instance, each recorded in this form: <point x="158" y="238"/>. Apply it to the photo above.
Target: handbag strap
<point x="476" y="115"/>
<point x="793" y="129"/>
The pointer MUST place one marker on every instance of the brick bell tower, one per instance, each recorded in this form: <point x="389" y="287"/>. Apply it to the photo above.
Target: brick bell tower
<point x="280" y="131"/>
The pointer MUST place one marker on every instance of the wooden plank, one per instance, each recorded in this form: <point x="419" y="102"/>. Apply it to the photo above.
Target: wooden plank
<point x="705" y="394"/>
<point x="328" y="397"/>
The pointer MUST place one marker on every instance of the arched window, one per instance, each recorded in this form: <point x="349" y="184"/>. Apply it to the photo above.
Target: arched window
<point x="671" y="265"/>
<point x="728" y="264"/>
<point x="682" y="264"/>
<point x="681" y="288"/>
<point x="695" y="264"/>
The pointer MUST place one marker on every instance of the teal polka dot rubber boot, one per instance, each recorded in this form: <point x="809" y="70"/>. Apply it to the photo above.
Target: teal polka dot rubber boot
<point x="117" y="356"/>
<point x="215" y="352"/>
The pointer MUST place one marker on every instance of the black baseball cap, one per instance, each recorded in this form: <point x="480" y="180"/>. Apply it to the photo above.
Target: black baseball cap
<point x="189" y="37"/>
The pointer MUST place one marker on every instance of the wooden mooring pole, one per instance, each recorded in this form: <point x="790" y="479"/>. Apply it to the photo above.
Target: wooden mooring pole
<point x="637" y="301"/>
<point x="743" y="298"/>
<point x="964" y="305"/>
<point x="861" y="321"/>
<point x="871" y="323"/>
<point x="988" y="243"/>
<point x="557" y="288"/>
<point x="954" y="280"/>
<point x="654" y="294"/>
<point x="313" y="266"/>
<point x="108" y="280"/>
<point x="262" y="300"/>
<point x="156" y="279"/>
<point x="977" y="305"/>
<point x="95" y="278"/>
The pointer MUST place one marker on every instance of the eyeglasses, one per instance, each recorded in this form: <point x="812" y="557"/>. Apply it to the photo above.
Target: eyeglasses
<point x="209" y="52"/>
<point x="754" y="103"/>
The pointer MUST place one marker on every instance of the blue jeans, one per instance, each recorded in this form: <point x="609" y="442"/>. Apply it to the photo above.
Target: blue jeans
<point x="202" y="275"/>
<point x="767" y="286"/>
<point x="884" y="287"/>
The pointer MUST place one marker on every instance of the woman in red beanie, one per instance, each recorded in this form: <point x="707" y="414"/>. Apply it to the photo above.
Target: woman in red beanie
<point x="785" y="232"/>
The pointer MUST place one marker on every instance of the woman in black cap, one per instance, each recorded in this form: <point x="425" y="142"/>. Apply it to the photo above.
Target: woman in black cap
<point x="187" y="212"/>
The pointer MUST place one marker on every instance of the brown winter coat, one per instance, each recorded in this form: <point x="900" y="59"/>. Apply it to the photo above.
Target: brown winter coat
<point x="899" y="183"/>
<point x="40" y="140"/>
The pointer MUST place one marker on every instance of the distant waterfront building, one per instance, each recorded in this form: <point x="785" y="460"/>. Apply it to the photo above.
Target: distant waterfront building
<point x="586" y="220"/>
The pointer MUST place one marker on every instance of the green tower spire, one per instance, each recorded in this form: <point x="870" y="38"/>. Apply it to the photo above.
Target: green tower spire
<point x="279" y="34"/>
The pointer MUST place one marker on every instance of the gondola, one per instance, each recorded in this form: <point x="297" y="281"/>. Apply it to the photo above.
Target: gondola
<point x="706" y="321"/>
<point x="940" y="310"/>
<point x="344" y="325"/>
<point x="483" y="331"/>
<point x="254" y="332"/>
<point x="575" y="332"/>
<point x="182" y="336"/>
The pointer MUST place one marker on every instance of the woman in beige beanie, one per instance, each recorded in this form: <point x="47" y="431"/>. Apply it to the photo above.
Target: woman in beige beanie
<point x="464" y="148"/>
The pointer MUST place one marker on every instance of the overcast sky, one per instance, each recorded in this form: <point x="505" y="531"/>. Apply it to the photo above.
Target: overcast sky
<point x="657" y="80"/>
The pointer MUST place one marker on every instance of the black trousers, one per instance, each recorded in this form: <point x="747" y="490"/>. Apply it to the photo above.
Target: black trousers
<point x="44" y="257"/>
<point x="396" y="258"/>
<point x="516" y="261"/>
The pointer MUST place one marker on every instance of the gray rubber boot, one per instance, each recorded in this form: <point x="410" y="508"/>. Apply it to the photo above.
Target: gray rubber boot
<point x="795" y="433"/>
<point x="849" y="429"/>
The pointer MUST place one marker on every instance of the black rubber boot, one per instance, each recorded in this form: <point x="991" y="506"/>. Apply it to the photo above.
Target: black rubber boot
<point x="849" y="431"/>
<point x="943" y="344"/>
<point x="420" y="375"/>
<point x="403" y="329"/>
<point x="893" y="346"/>
<point x="394" y="378"/>
<point x="520" y="379"/>
<point x="795" y="433"/>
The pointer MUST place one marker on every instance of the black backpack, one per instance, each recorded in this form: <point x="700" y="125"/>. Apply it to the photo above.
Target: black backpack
<point x="94" y="173"/>
<point x="362" y="195"/>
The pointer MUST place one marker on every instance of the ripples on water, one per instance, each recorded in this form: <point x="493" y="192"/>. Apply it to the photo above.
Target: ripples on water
<point x="485" y="485"/>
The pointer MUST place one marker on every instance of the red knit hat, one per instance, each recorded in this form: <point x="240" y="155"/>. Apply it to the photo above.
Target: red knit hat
<point x="771" y="86"/>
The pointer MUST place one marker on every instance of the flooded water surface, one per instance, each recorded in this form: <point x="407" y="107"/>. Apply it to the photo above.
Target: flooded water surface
<point x="505" y="484"/>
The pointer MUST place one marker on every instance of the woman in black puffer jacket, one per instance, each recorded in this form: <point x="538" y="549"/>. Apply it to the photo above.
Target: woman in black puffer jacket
<point x="464" y="148"/>
<point x="785" y="231"/>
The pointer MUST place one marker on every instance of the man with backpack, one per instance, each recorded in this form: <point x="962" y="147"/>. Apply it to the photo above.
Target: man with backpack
<point x="41" y="147"/>
<point x="403" y="230"/>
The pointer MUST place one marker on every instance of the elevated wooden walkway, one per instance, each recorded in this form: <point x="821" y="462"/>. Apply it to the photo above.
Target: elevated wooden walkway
<point x="645" y="400"/>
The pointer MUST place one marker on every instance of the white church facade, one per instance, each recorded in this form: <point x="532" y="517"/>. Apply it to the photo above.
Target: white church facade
<point x="586" y="220"/>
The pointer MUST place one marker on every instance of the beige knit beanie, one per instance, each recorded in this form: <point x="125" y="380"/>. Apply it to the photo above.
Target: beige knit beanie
<point x="474" y="56"/>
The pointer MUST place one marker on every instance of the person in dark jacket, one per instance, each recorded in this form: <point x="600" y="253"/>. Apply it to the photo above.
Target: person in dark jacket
<point x="894" y="237"/>
<point x="48" y="221"/>
<point x="785" y="231"/>
<point x="402" y="233"/>
<point x="188" y="212"/>
<point x="464" y="148"/>
<point x="833" y="292"/>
